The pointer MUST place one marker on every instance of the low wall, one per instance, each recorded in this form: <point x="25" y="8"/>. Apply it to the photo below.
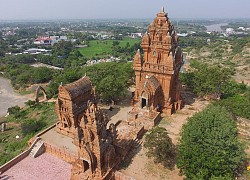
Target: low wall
<point x="60" y="153"/>
<point x="157" y="118"/>
<point x="18" y="158"/>
<point x="14" y="161"/>
<point x="46" y="130"/>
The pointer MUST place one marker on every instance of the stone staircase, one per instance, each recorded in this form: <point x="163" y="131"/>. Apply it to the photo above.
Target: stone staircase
<point x="37" y="150"/>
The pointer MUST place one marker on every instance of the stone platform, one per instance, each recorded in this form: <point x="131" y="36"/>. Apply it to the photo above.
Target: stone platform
<point x="53" y="138"/>
<point x="43" y="167"/>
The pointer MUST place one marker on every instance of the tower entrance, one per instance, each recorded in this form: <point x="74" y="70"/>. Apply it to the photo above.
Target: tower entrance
<point x="143" y="102"/>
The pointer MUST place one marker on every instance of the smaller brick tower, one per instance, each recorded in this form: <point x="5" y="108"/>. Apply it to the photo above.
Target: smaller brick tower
<point x="97" y="157"/>
<point x="71" y="104"/>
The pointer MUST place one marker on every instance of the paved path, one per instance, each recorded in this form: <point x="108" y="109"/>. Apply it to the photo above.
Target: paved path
<point x="44" y="167"/>
<point x="8" y="97"/>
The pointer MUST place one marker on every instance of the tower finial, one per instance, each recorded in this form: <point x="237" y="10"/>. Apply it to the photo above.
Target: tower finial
<point x="162" y="9"/>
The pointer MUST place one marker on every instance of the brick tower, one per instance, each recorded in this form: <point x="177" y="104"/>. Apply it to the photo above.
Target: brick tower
<point x="157" y="71"/>
<point x="97" y="156"/>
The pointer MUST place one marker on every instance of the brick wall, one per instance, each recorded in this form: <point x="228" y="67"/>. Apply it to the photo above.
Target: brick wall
<point x="60" y="153"/>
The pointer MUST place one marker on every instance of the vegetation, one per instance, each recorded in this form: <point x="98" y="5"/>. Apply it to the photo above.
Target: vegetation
<point x="238" y="105"/>
<point x="160" y="147"/>
<point x="111" y="79"/>
<point x="207" y="80"/>
<point x="25" y="123"/>
<point x="63" y="55"/>
<point x="104" y="48"/>
<point x="209" y="146"/>
<point x="23" y="75"/>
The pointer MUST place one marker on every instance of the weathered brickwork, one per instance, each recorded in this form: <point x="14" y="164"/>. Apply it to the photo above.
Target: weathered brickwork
<point x="157" y="71"/>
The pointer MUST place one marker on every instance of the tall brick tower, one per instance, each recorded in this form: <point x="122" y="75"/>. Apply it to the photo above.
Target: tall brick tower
<point x="157" y="71"/>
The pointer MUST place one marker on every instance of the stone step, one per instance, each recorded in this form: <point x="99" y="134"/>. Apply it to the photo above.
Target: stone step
<point x="37" y="150"/>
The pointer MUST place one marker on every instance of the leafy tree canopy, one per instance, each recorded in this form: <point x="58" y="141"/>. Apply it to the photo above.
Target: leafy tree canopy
<point x="111" y="79"/>
<point x="238" y="105"/>
<point x="206" y="80"/>
<point x="160" y="147"/>
<point x="209" y="147"/>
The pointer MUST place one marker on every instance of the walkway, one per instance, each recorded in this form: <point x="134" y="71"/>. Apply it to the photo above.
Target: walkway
<point x="43" y="167"/>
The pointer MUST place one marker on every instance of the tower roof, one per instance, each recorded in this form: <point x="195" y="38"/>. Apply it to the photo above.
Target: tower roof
<point x="78" y="87"/>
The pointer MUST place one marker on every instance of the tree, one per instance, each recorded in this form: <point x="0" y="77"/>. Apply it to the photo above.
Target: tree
<point x="111" y="79"/>
<point x="111" y="88"/>
<point x="207" y="80"/>
<point x="62" y="48"/>
<point x="238" y="105"/>
<point x="209" y="147"/>
<point x="160" y="147"/>
<point x="41" y="75"/>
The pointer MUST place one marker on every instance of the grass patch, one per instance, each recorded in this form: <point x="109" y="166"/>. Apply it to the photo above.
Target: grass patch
<point x="24" y="92"/>
<point x="103" y="48"/>
<point x="36" y="119"/>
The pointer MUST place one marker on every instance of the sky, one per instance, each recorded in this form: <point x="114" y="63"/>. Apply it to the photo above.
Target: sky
<point x="121" y="9"/>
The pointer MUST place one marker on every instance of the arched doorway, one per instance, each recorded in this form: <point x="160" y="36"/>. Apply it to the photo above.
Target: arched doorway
<point x="40" y="88"/>
<point x="85" y="164"/>
<point x="144" y="100"/>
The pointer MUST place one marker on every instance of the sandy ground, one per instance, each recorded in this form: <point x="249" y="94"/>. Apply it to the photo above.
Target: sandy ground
<point x="243" y="74"/>
<point x="46" y="65"/>
<point x="141" y="167"/>
<point x="8" y="97"/>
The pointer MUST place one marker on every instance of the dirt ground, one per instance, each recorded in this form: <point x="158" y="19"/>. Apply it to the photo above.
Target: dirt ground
<point x="139" y="166"/>
<point x="8" y="97"/>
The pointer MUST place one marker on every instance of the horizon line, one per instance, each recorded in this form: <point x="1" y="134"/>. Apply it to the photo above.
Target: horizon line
<point x="72" y="19"/>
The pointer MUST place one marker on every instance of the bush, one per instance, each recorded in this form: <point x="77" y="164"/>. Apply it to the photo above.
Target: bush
<point x="15" y="111"/>
<point x="160" y="147"/>
<point x="233" y="88"/>
<point x="209" y="147"/>
<point x="30" y="103"/>
<point x="31" y="126"/>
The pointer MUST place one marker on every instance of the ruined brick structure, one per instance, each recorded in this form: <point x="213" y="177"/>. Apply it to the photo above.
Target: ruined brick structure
<point x="86" y="124"/>
<point x="71" y="103"/>
<point x="157" y="71"/>
<point x="97" y="157"/>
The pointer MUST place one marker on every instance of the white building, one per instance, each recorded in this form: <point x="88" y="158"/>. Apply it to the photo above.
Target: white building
<point x="230" y="31"/>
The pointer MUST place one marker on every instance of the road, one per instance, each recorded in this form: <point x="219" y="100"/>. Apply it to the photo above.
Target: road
<point x="8" y="97"/>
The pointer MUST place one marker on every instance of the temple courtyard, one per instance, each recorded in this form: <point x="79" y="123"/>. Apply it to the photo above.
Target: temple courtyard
<point x="43" y="167"/>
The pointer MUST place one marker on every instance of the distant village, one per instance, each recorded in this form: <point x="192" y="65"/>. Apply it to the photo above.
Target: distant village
<point x="42" y="44"/>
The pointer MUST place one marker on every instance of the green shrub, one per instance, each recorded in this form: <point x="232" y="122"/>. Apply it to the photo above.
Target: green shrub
<point x="205" y="79"/>
<point x="15" y="111"/>
<point x="160" y="147"/>
<point x="209" y="146"/>
<point x="31" y="126"/>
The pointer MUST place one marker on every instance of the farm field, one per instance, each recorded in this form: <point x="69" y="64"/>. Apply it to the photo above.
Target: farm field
<point x="102" y="48"/>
